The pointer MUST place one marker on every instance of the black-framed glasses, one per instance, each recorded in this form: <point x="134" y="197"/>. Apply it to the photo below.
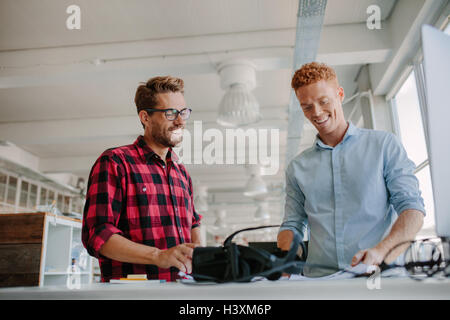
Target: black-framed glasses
<point x="172" y="114"/>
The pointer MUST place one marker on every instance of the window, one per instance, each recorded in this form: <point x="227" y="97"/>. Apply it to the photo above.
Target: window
<point x="412" y="134"/>
<point x="29" y="194"/>
<point x="43" y="197"/>
<point x="59" y="203"/>
<point x="410" y="121"/>
<point x="50" y="198"/>
<point x="77" y="204"/>
<point x="3" y="178"/>
<point x="12" y="189"/>
<point x="33" y="196"/>
<point x="66" y="207"/>
<point x="23" y="194"/>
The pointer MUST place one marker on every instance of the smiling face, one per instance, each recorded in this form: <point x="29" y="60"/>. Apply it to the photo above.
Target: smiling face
<point x="158" y="129"/>
<point x="321" y="103"/>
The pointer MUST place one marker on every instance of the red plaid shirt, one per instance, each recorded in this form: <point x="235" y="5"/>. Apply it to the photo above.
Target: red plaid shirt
<point x="132" y="193"/>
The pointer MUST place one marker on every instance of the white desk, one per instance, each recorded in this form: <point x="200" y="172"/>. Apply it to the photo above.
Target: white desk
<point x="391" y="288"/>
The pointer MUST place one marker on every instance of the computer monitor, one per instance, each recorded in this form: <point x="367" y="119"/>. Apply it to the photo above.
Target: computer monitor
<point x="436" y="51"/>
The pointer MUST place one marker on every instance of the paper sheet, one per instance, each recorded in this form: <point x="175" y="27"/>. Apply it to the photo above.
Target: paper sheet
<point x="348" y="273"/>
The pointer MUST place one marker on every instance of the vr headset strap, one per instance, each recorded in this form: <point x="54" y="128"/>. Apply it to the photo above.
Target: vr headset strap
<point x="232" y="251"/>
<point x="230" y="237"/>
<point x="286" y="264"/>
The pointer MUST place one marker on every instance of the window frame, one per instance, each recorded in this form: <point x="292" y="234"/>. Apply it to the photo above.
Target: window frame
<point x="416" y="65"/>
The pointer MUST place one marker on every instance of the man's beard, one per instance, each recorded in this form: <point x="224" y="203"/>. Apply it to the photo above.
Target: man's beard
<point x="165" y="138"/>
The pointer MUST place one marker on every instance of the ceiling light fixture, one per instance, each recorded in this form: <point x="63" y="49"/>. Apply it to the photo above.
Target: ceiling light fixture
<point x="221" y="216"/>
<point x="98" y="61"/>
<point x="238" y="106"/>
<point x="255" y="186"/>
<point x="201" y="201"/>
<point x="5" y="143"/>
<point x="262" y="213"/>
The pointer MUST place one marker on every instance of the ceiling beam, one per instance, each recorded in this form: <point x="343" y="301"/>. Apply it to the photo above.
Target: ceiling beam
<point x="204" y="171"/>
<point x="307" y="39"/>
<point x="215" y="179"/>
<point x="91" y="129"/>
<point x="269" y="50"/>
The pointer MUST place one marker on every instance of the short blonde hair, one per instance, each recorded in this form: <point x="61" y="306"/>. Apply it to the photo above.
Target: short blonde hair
<point x="311" y="73"/>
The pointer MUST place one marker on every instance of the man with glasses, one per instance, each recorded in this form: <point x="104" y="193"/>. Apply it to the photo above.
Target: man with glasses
<point x="139" y="216"/>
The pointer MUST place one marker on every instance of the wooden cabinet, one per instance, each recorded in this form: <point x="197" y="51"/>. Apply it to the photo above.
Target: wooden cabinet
<point x="41" y="249"/>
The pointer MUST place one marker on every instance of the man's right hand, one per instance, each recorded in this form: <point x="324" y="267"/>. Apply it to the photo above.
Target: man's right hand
<point x="284" y="241"/>
<point x="179" y="257"/>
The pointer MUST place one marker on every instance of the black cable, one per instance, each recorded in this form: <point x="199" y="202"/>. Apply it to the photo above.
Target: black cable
<point x="433" y="266"/>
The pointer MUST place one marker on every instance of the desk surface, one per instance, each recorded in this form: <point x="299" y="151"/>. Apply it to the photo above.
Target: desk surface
<point x="390" y="288"/>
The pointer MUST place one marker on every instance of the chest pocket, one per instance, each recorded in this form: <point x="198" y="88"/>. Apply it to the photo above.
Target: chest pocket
<point x="143" y="206"/>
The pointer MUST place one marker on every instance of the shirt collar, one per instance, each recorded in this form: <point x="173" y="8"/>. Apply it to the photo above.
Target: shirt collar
<point x="148" y="154"/>
<point x="351" y="131"/>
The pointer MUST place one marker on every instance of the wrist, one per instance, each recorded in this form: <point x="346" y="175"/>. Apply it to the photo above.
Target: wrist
<point x="383" y="248"/>
<point x="153" y="255"/>
<point x="284" y="239"/>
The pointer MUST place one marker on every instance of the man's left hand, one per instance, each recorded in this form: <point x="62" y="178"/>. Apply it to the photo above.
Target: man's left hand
<point x="373" y="256"/>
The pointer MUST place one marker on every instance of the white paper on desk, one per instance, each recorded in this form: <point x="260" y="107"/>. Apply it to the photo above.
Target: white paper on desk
<point x="348" y="273"/>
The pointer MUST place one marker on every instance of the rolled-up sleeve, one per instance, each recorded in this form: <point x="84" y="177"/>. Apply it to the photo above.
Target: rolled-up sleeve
<point x="103" y="203"/>
<point x="295" y="218"/>
<point x="196" y="218"/>
<point x="401" y="182"/>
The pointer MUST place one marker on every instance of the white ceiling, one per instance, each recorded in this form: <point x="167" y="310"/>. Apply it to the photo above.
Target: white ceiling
<point x="58" y="105"/>
<point x="37" y="24"/>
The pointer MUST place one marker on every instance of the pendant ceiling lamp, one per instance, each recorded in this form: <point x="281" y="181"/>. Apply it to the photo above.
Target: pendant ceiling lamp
<point x="201" y="200"/>
<point x="238" y="106"/>
<point x="255" y="186"/>
<point x="221" y="216"/>
<point x="262" y="213"/>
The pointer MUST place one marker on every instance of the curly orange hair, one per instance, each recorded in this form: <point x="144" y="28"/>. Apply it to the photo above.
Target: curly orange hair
<point x="311" y="73"/>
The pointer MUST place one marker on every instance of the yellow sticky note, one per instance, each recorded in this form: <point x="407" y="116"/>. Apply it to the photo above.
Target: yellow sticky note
<point x="137" y="277"/>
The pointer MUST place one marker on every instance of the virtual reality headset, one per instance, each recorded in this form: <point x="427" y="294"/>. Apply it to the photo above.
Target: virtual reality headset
<point x="237" y="263"/>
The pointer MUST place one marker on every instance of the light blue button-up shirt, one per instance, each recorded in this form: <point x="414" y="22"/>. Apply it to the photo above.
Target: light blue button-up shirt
<point x="349" y="196"/>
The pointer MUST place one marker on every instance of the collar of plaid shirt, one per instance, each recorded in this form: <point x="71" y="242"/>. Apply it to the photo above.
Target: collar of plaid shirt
<point x="132" y="193"/>
<point x="148" y="154"/>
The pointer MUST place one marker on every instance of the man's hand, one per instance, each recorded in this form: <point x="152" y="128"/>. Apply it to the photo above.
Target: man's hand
<point x="284" y="241"/>
<point x="404" y="229"/>
<point x="373" y="256"/>
<point x="179" y="257"/>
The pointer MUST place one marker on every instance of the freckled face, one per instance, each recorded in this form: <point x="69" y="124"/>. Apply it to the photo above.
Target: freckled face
<point x="321" y="103"/>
